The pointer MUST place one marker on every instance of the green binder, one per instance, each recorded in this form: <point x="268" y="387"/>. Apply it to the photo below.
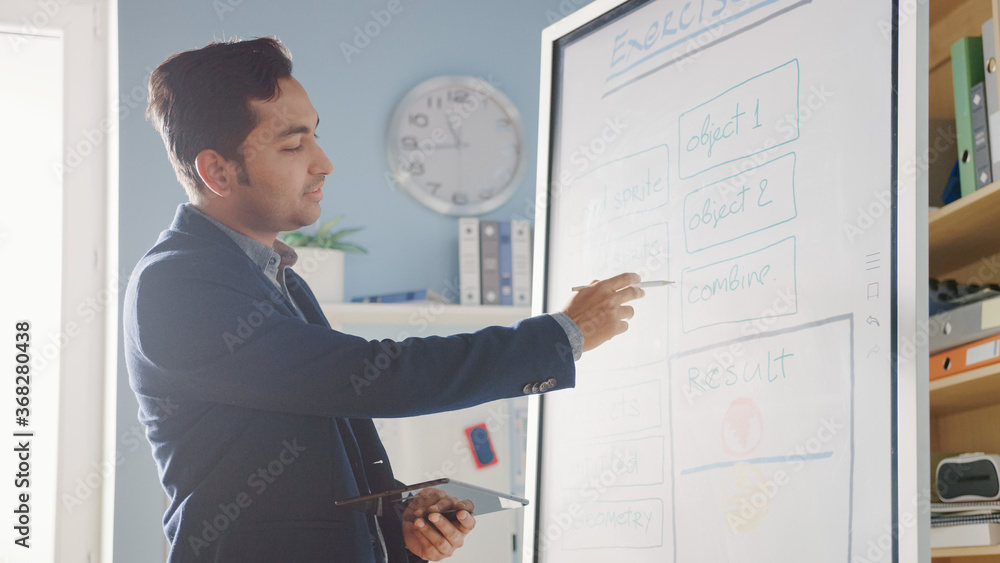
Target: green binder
<point x="966" y="71"/>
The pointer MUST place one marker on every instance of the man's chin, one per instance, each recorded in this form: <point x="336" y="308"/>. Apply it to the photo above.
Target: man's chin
<point x="311" y="216"/>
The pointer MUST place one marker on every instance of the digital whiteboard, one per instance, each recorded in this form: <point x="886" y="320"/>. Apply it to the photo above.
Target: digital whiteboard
<point x="750" y="152"/>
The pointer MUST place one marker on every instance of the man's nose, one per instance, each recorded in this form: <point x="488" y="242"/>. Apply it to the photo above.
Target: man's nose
<point x="321" y="164"/>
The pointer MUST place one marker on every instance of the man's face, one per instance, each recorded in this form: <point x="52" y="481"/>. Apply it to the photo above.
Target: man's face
<point x="284" y="167"/>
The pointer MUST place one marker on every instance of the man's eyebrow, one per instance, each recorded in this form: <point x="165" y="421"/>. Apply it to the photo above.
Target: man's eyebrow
<point x="298" y="129"/>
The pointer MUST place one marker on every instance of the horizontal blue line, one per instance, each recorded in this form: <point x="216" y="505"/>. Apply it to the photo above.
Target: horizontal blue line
<point x="774" y="459"/>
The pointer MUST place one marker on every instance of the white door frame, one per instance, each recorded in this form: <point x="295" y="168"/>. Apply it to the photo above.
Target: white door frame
<point x="89" y="301"/>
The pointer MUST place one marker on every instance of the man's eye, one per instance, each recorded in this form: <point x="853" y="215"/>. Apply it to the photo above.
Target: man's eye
<point x="296" y="149"/>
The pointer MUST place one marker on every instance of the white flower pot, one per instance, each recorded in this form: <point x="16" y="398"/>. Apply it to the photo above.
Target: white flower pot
<point x="323" y="270"/>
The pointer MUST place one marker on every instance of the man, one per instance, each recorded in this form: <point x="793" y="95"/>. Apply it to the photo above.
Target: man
<point x="251" y="402"/>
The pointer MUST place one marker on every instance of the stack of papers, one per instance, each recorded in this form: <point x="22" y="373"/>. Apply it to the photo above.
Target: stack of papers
<point x="952" y="513"/>
<point x="965" y="524"/>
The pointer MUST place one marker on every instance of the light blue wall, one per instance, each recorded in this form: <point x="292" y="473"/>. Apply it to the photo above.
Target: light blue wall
<point x="409" y="246"/>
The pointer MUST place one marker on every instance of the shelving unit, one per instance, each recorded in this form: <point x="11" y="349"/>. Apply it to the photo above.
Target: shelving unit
<point x="964" y="391"/>
<point x="966" y="551"/>
<point x="964" y="231"/>
<point x="964" y="242"/>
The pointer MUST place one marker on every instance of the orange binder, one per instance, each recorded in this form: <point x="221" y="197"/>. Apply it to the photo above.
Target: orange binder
<point x="970" y="356"/>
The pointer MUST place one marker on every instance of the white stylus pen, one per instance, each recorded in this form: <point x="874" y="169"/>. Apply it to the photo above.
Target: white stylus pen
<point x="656" y="283"/>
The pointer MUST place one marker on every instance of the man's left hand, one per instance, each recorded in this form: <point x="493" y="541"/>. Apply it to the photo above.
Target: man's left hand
<point x="428" y="533"/>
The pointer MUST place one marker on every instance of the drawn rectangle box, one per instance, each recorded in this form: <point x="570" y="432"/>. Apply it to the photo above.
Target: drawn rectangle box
<point x="622" y="463"/>
<point x="746" y="450"/>
<point x="624" y="187"/>
<point x="755" y="115"/>
<point x="755" y="200"/>
<point x="619" y="410"/>
<point x="636" y="524"/>
<point x="741" y="288"/>
<point x="645" y="251"/>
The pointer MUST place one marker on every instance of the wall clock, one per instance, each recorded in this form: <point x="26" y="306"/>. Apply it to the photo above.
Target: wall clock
<point x="456" y="144"/>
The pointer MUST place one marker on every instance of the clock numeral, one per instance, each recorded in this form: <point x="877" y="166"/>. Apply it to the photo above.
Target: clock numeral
<point x="414" y="168"/>
<point x="458" y="96"/>
<point x="486" y="193"/>
<point x="408" y="143"/>
<point x="433" y="186"/>
<point x="503" y="124"/>
<point x="504" y="174"/>
<point x="460" y="198"/>
<point x="420" y="120"/>
<point x="431" y="100"/>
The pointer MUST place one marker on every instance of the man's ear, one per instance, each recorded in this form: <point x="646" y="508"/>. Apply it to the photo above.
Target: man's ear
<point x="219" y="174"/>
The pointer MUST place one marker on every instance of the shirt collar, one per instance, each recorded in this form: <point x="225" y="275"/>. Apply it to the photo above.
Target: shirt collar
<point x="268" y="258"/>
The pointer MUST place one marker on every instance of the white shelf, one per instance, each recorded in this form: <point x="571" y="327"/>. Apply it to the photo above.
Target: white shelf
<point x="965" y="551"/>
<point x="422" y="313"/>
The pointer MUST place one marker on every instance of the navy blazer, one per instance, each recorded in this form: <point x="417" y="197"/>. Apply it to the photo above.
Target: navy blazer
<point x="258" y="421"/>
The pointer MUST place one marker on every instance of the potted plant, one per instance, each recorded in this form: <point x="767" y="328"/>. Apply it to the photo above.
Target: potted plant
<point x="321" y="258"/>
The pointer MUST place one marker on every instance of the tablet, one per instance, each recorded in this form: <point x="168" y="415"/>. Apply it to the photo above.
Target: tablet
<point x="484" y="500"/>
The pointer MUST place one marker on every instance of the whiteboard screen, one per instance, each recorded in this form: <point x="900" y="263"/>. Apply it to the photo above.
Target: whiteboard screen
<point x="744" y="150"/>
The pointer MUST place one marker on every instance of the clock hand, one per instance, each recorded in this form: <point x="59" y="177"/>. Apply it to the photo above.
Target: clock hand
<point x="458" y="139"/>
<point x="459" y="166"/>
<point x="458" y="146"/>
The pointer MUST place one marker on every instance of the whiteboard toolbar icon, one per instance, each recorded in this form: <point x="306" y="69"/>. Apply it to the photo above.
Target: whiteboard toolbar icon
<point x="873" y="291"/>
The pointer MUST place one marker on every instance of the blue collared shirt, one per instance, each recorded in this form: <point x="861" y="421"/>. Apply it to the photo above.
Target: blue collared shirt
<point x="271" y="260"/>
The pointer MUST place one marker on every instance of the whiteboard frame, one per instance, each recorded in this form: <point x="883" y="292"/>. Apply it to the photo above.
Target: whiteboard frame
<point x="911" y="436"/>
<point x="913" y="488"/>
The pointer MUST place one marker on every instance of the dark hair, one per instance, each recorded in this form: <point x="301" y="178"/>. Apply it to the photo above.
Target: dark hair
<point x="200" y="100"/>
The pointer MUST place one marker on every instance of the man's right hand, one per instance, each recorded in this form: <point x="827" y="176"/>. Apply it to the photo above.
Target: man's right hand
<point x="599" y="311"/>
<point x="427" y="532"/>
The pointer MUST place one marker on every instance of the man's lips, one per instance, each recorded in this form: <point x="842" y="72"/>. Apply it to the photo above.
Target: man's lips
<point x="317" y="191"/>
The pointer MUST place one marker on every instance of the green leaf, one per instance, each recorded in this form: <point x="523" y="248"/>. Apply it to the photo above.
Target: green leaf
<point x="324" y="238"/>
<point x="349" y="247"/>
<point x="344" y="232"/>
<point x="296" y="239"/>
<point x="325" y="227"/>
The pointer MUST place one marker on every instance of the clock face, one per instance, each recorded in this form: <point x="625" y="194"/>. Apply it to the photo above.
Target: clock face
<point x="456" y="144"/>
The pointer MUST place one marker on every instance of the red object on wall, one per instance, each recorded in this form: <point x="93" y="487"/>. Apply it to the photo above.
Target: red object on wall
<point x="481" y="445"/>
